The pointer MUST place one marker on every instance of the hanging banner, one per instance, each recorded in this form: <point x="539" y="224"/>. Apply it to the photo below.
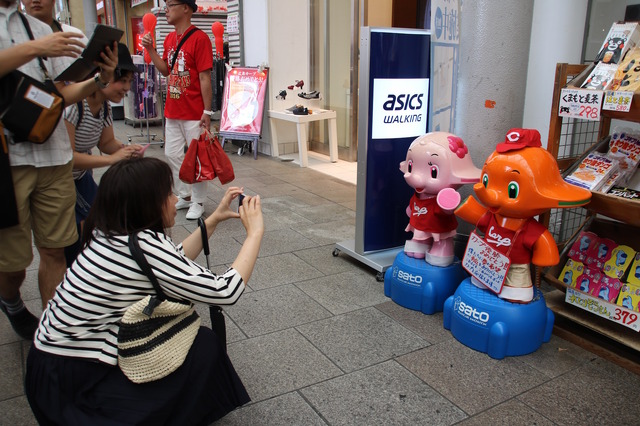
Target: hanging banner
<point x="243" y="101"/>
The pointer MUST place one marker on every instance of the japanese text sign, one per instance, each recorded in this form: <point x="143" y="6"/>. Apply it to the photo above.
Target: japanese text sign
<point x="485" y="263"/>
<point x="580" y="103"/>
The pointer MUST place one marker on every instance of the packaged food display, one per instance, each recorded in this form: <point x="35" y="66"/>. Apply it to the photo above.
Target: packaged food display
<point x="580" y="248"/>
<point x="608" y="289"/>
<point x="571" y="271"/>
<point x="627" y="193"/>
<point x="619" y="262"/>
<point x="634" y="271"/>
<point x="627" y="76"/>
<point x="599" y="253"/>
<point x="600" y="77"/>
<point x="621" y="38"/>
<point x="624" y="146"/>
<point x="593" y="171"/>
<point x="629" y="297"/>
<point x="589" y="281"/>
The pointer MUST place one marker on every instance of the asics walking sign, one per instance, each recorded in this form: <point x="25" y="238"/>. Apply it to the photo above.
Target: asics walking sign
<point x="400" y="107"/>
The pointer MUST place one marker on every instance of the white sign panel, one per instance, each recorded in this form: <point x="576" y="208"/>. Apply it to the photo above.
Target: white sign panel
<point x="399" y="107"/>
<point x="618" y="314"/>
<point x="580" y="103"/>
<point x="617" y="101"/>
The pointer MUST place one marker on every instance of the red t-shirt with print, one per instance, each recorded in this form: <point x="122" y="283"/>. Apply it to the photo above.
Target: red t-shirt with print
<point x="184" y="99"/>
<point x="519" y="251"/>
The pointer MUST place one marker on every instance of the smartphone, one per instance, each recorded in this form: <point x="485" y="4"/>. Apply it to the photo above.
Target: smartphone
<point x="240" y="198"/>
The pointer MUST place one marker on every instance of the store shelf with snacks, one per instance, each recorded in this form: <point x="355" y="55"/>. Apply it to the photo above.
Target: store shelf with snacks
<point x="570" y="141"/>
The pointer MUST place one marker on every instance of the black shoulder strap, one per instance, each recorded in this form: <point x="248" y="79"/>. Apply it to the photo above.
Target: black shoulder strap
<point x="27" y="27"/>
<point x="138" y="256"/>
<point x="175" y="54"/>
<point x="80" y="104"/>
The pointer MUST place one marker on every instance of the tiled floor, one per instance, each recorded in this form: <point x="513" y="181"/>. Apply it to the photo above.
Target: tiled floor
<point x="316" y="342"/>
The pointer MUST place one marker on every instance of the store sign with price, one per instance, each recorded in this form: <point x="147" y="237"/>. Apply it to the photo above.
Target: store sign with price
<point x="618" y="314"/>
<point x="617" y="101"/>
<point x="580" y="103"/>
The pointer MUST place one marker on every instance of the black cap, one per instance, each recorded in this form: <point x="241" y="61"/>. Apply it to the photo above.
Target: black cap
<point x="124" y="59"/>
<point x="191" y="3"/>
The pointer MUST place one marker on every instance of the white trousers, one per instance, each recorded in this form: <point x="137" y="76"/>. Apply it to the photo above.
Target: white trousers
<point x="177" y="133"/>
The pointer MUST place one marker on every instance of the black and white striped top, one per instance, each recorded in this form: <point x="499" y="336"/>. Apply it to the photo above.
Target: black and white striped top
<point x="89" y="132"/>
<point x="82" y="318"/>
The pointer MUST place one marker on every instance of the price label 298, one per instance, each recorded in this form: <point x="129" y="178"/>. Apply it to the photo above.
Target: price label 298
<point x="581" y="103"/>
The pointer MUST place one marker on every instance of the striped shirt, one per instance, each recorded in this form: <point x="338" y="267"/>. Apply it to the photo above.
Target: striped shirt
<point x="56" y="151"/>
<point x="82" y="318"/>
<point x="89" y="132"/>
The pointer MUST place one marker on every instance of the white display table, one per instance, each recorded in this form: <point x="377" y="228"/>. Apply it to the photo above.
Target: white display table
<point x="301" y="125"/>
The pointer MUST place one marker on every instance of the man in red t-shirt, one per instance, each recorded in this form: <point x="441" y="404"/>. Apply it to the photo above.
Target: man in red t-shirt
<point x="188" y="95"/>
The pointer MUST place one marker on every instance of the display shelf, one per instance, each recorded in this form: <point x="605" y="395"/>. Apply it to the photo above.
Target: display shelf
<point x="618" y="208"/>
<point x="568" y="143"/>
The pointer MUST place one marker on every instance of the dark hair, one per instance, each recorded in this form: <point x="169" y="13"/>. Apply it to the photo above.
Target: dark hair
<point x="120" y="74"/>
<point x="130" y="198"/>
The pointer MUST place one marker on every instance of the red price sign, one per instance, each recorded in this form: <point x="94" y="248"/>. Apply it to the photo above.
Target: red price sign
<point x="625" y="317"/>
<point x="580" y="103"/>
<point x="602" y="308"/>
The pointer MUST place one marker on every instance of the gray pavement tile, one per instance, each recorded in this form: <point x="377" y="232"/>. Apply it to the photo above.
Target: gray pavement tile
<point x="277" y="190"/>
<point x="359" y="339"/>
<point x="283" y="241"/>
<point x="351" y="205"/>
<point x="322" y="258"/>
<point x="509" y="413"/>
<point x="289" y="409"/>
<point x="384" y="394"/>
<point x="11" y="370"/>
<point x="281" y="269"/>
<point x="557" y="357"/>
<point x="272" y="309"/>
<point x="328" y="232"/>
<point x="17" y="412"/>
<point x="30" y="289"/>
<point x="346" y="291"/>
<point x="279" y="363"/>
<point x="598" y="393"/>
<point x="280" y="205"/>
<point x="234" y="334"/>
<point x="329" y="213"/>
<point x="470" y="379"/>
<point x="429" y="327"/>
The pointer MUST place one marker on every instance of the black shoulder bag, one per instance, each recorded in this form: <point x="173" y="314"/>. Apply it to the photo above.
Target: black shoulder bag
<point x="30" y="109"/>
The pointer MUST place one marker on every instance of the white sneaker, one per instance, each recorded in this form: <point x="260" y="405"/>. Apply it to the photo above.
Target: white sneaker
<point x="195" y="211"/>
<point x="183" y="204"/>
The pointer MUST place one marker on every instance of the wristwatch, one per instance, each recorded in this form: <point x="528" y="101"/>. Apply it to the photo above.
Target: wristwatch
<point x="99" y="82"/>
<point x="209" y="113"/>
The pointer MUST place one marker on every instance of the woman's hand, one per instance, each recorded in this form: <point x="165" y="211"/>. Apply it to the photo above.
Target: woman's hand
<point x="251" y="216"/>
<point x="124" y="153"/>
<point x="224" y="211"/>
<point x="108" y="63"/>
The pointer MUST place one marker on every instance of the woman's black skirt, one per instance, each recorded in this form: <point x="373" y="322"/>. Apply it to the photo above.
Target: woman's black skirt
<point x="72" y="391"/>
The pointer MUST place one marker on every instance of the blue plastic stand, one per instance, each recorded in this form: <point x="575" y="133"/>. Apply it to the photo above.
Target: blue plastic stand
<point x="418" y="285"/>
<point x="482" y="321"/>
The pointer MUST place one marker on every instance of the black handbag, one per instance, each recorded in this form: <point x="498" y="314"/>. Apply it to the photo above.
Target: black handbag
<point x="30" y="109"/>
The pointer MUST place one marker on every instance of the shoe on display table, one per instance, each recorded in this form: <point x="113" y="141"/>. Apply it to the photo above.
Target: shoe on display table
<point x="418" y="285"/>
<point x="481" y="320"/>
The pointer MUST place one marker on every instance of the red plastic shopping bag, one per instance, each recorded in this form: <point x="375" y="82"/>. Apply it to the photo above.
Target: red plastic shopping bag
<point x="197" y="165"/>
<point x="205" y="159"/>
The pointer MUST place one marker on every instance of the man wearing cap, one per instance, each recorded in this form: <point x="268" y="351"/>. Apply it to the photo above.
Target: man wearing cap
<point x="41" y="173"/>
<point x="90" y="125"/>
<point x="188" y="92"/>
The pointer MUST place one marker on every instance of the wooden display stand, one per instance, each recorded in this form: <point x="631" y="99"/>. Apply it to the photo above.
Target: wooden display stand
<point x="614" y="341"/>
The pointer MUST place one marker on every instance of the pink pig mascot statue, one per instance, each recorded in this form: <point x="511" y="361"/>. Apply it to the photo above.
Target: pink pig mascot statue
<point x="437" y="164"/>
